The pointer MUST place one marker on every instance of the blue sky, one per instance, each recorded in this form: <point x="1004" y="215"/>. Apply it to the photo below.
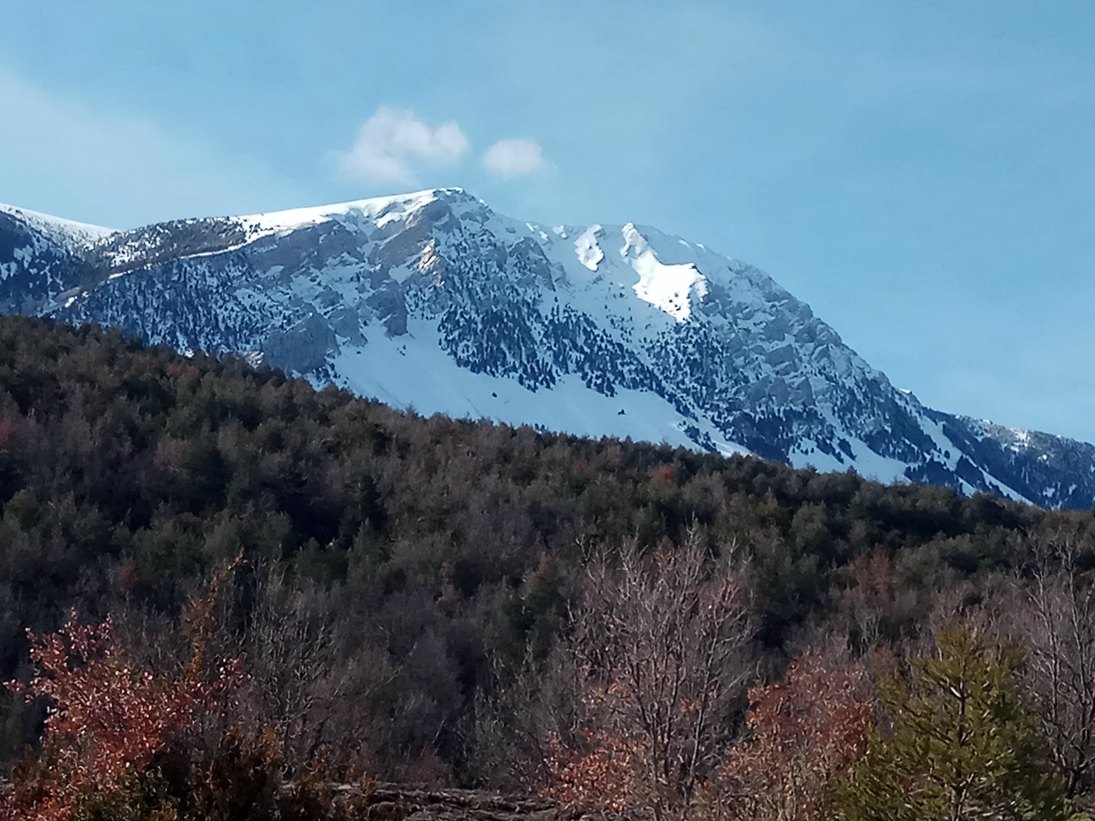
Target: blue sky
<point x="923" y="174"/>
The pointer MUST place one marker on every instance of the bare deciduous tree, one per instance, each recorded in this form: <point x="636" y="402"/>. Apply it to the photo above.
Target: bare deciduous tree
<point x="660" y="643"/>
<point x="293" y="665"/>
<point x="1057" y="624"/>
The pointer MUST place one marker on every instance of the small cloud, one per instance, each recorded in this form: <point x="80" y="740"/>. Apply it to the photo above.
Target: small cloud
<point x="511" y="158"/>
<point x="393" y="143"/>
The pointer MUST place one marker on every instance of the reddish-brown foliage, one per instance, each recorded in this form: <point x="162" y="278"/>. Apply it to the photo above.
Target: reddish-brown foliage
<point x="665" y="475"/>
<point x="106" y="717"/>
<point x="604" y="765"/>
<point x="603" y="773"/>
<point x="806" y="731"/>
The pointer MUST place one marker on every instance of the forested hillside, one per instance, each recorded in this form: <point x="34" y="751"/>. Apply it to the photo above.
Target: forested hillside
<point x="395" y="580"/>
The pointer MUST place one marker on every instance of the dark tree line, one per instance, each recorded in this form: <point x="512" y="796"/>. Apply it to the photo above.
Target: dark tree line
<point x="400" y="573"/>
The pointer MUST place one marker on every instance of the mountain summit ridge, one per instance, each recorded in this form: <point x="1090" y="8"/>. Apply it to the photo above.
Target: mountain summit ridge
<point x="434" y="300"/>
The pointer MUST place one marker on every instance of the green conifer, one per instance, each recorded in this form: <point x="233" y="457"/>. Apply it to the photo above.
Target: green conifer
<point x="959" y="744"/>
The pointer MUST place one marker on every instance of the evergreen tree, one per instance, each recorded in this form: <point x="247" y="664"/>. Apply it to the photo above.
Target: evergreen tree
<point x="960" y="745"/>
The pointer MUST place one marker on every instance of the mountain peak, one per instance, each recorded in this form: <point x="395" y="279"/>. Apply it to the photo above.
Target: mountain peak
<point x="372" y="208"/>
<point x="432" y="300"/>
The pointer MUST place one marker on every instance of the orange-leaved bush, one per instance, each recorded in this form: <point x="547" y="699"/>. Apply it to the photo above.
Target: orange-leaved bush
<point x="806" y="732"/>
<point x="106" y="718"/>
<point x="602" y="765"/>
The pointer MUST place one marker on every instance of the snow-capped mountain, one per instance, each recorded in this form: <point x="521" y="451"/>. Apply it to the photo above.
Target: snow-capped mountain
<point x="435" y="301"/>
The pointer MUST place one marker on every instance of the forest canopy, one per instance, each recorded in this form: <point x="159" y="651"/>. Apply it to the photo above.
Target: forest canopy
<point x="402" y="572"/>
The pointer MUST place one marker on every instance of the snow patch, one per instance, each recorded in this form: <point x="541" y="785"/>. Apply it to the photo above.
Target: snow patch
<point x="589" y="252"/>
<point x="668" y="287"/>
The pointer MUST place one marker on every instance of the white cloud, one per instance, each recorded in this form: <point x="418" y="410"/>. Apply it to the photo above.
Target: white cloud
<point x="511" y="158"/>
<point x="392" y="144"/>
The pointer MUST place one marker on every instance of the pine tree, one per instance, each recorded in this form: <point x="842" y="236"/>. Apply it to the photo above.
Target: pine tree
<point x="960" y="745"/>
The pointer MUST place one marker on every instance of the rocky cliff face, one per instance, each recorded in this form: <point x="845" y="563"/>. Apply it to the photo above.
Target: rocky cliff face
<point x="433" y="300"/>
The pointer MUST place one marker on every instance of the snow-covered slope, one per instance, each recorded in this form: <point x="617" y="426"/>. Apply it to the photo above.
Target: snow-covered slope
<point x="41" y="257"/>
<point x="70" y="234"/>
<point x="435" y="301"/>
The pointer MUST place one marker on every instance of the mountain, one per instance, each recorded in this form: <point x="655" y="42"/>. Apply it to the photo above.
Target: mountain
<point x="434" y="301"/>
